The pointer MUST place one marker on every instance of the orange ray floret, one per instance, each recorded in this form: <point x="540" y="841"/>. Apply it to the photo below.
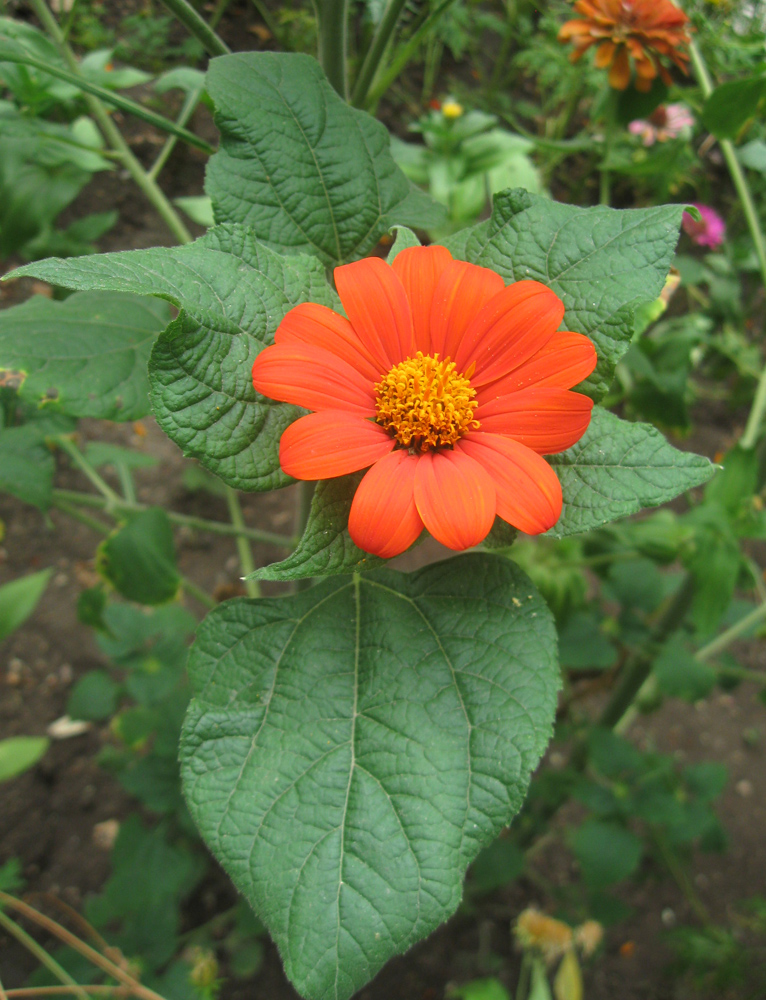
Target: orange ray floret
<point x="447" y="385"/>
<point x="646" y="31"/>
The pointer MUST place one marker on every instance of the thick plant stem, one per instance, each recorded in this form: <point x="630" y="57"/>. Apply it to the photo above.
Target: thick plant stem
<point x="332" y="29"/>
<point x="112" y="134"/>
<point x="197" y="26"/>
<point x="187" y="520"/>
<point x="375" y="53"/>
<point x="638" y="667"/>
<point x="246" y="561"/>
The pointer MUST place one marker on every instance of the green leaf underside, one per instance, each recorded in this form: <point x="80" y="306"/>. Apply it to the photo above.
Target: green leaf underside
<point x="234" y="292"/>
<point x="86" y="356"/>
<point x="601" y="262"/>
<point x="299" y="166"/>
<point x="616" y="469"/>
<point x="325" y="548"/>
<point x="351" y="748"/>
<point x="26" y="465"/>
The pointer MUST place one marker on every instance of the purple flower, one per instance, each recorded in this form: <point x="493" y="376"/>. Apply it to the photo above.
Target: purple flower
<point x="710" y="231"/>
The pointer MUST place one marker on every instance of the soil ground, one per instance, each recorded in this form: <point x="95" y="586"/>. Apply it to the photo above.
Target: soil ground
<point x="48" y="816"/>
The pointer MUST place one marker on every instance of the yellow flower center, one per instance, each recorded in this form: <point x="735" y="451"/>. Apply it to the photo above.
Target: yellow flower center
<point x="425" y="403"/>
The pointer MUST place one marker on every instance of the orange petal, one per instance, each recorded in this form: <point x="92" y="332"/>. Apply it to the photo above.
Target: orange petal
<point x="377" y="306"/>
<point x="419" y="270"/>
<point x="462" y="291"/>
<point x="314" y="378"/>
<point x="546" y="420"/>
<point x="384" y="519"/>
<point x="528" y="490"/>
<point x="565" y="361"/>
<point x="331" y="443"/>
<point x="510" y="328"/>
<point x="455" y="496"/>
<point x="319" y="326"/>
<point x="619" y="74"/>
<point x="604" y="54"/>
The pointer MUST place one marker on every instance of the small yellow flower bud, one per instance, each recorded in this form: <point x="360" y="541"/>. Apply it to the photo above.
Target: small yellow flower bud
<point x="452" y="110"/>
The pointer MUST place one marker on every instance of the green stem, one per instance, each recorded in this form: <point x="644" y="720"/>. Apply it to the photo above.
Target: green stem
<point x="197" y="26"/>
<point x="754" y="421"/>
<point x="112" y="134"/>
<point x="126" y="482"/>
<point x="191" y="102"/>
<point x="726" y="638"/>
<point x="87" y="469"/>
<point x="194" y="591"/>
<point x="681" y="877"/>
<point x="378" y="46"/>
<point x="200" y="523"/>
<point x="405" y="53"/>
<point x="92" y="522"/>
<point x="638" y="667"/>
<point x="332" y="31"/>
<point x="302" y="512"/>
<point x="220" y="9"/>
<point x="41" y="954"/>
<point x="246" y="561"/>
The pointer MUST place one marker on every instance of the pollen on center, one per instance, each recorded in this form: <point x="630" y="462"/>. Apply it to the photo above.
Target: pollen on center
<point x="426" y="403"/>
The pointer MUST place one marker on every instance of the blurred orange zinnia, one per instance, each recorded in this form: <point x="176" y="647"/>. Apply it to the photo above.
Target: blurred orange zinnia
<point x="646" y="30"/>
<point x="446" y="384"/>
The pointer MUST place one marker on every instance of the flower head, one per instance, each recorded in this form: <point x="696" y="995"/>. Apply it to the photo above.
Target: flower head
<point x="451" y="109"/>
<point x="445" y="384"/>
<point x="667" y="122"/>
<point x="710" y="231"/>
<point x="646" y="31"/>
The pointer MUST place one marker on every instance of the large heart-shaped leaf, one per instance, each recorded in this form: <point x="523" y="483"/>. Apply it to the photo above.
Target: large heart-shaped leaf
<point x="601" y="262"/>
<point x="351" y="748"/>
<point x="86" y="356"/>
<point x="234" y="291"/>
<point x="617" y="468"/>
<point x="300" y="167"/>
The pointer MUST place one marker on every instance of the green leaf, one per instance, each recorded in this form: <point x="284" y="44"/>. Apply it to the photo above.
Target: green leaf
<point x="753" y="155"/>
<point x="480" y="989"/>
<point x="19" y="753"/>
<point x="617" y="468"/>
<point x="304" y="170"/>
<point x="18" y="599"/>
<point x="234" y="292"/>
<point x="680" y="675"/>
<point x="100" y="453"/>
<point x="730" y="105"/>
<point x="602" y="263"/>
<point x="139" y="559"/>
<point x="607" y="852"/>
<point x="326" y="547"/>
<point x="26" y="465"/>
<point x="351" y="748"/>
<point x="94" y="697"/>
<point x="405" y="239"/>
<point x="86" y="356"/>
<point x="150" y="876"/>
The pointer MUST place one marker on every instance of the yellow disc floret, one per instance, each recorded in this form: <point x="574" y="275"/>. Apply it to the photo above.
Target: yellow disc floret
<point x="425" y="403"/>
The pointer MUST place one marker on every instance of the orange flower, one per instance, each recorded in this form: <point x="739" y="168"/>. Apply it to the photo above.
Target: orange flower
<point x="646" y="30"/>
<point x="448" y="384"/>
